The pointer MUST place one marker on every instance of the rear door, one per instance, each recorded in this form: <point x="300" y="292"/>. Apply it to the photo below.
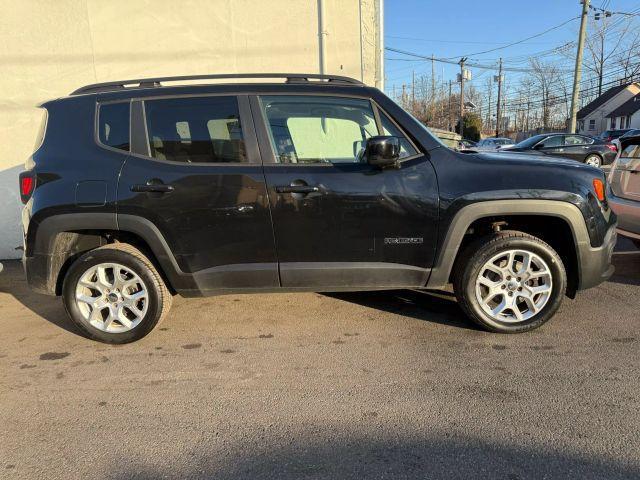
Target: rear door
<point x="578" y="147"/>
<point x="196" y="176"/>
<point x="338" y="221"/>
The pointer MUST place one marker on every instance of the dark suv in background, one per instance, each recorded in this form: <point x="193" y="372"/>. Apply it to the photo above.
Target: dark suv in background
<point x="139" y="191"/>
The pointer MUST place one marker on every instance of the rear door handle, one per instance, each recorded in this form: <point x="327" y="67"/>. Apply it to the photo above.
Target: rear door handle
<point x="296" y="189"/>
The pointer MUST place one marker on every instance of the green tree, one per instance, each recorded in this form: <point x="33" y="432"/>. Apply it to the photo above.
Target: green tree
<point x="472" y="126"/>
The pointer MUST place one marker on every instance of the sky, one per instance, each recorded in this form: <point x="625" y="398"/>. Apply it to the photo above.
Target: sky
<point x="466" y="27"/>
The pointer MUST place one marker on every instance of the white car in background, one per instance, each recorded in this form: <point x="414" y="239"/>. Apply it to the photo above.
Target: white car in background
<point x="493" y="144"/>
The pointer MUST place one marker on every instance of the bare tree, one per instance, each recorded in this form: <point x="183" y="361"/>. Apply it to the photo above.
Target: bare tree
<point x="629" y="58"/>
<point x="546" y="77"/>
<point x="604" y="45"/>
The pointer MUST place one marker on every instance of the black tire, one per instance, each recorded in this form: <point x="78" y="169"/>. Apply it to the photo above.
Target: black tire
<point x="476" y="254"/>
<point x="159" y="297"/>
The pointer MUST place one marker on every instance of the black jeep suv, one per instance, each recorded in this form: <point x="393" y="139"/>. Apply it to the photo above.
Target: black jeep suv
<point x="139" y="190"/>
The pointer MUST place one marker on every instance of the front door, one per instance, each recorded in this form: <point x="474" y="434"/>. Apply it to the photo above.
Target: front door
<point x="197" y="178"/>
<point x="338" y="221"/>
<point x="553" y="145"/>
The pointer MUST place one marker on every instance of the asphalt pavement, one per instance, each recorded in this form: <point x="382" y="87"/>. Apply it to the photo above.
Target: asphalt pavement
<point x="294" y="386"/>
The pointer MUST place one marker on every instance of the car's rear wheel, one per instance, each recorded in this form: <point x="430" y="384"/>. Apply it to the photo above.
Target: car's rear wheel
<point x="593" y="160"/>
<point x="509" y="282"/>
<point x="114" y="294"/>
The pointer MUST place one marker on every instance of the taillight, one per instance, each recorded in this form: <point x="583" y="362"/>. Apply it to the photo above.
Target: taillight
<point x="27" y="182"/>
<point x="612" y="147"/>
<point x="598" y="188"/>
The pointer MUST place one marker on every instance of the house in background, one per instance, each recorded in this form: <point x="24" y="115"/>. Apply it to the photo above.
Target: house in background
<point x="626" y="115"/>
<point x="593" y="118"/>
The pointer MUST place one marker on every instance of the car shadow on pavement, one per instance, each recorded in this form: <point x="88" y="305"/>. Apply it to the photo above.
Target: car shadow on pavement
<point x="437" y="306"/>
<point x="626" y="259"/>
<point x="13" y="282"/>
<point x="448" y="455"/>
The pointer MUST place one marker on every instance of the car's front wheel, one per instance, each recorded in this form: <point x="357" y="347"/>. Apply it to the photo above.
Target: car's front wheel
<point x="114" y="294"/>
<point x="509" y="282"/>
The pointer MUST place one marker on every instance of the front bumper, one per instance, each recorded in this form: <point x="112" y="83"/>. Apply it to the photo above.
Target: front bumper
<point x="595" y="263"/>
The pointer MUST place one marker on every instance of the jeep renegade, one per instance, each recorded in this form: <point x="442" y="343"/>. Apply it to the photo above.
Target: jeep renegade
<point x="139" y="190"/>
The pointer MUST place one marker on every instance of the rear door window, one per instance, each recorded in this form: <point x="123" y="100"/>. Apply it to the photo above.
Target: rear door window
<point x="195" y="130"/>
<point x="577" y="140"/>
<point x="113" y="125"/>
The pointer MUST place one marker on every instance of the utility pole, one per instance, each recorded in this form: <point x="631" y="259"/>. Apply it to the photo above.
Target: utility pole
<point x="433" y="87"/>
<point x="498" y="109"/>
<point x="490" y="84"/>
<point x="413" y="92"/>
<point x="450" y="122"/>
<point x="462" y="60"/>
<point x="577" y="73"/>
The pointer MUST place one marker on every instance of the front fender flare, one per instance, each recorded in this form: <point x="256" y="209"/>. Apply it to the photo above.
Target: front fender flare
<point x="448" y="252"/>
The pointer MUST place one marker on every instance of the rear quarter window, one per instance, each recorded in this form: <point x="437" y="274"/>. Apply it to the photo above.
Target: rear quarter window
<point x="42" y="129"/>
<point x="113" y="125"/>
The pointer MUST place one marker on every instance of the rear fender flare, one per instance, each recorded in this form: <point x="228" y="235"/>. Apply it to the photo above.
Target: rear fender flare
<point x="44" y="242"/>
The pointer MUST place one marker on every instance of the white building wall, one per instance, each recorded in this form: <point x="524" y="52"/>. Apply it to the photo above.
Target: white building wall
<point x="49" y="48"/>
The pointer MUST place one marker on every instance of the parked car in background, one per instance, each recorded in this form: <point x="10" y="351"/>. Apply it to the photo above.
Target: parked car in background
<point x="609" y="135"/>
<point x="466" y="144"/>
<point x="582" y="148"/>
<point x="492" y="144"/>
<point x="631" y="133"/>
<point x="624" y="188"/>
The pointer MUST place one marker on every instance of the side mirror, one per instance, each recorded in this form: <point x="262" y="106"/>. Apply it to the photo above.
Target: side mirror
<point x="382" y="151"/>
<point x="538" y="146"/>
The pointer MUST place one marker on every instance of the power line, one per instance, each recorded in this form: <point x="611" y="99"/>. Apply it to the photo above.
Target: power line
<point x="452" y="62"/>
<point x="521" y="41"/>
<point x="434" y="40"/>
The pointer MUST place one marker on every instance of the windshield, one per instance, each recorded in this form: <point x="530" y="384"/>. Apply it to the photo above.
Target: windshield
<point x="530" y="142"/>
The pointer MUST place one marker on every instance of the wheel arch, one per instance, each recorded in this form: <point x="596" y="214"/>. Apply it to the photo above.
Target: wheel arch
<point x="60" y="239"/>
<point x="488" y="213"/>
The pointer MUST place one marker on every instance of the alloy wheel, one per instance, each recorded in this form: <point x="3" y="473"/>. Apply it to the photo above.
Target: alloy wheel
<point x="513" y="286"/>
<point x="593" y="160"/>
<point x="112" y="297"/>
